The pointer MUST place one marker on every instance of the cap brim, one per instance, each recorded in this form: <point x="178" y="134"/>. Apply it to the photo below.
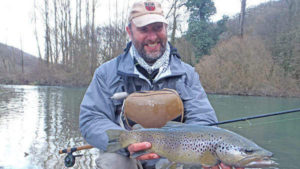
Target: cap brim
<point x="148" y="19"/>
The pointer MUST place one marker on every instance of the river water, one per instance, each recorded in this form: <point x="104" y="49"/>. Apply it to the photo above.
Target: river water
<point x="36" y="122"/>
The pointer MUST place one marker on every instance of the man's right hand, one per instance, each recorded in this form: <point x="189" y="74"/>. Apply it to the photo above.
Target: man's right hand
<point x="135" y="147"/>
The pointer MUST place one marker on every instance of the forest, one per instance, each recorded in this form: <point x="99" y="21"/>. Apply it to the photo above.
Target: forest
<point x="256" y="52"/>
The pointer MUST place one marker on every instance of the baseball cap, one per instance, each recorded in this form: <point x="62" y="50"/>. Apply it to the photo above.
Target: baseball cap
<point x="146" y="12"/>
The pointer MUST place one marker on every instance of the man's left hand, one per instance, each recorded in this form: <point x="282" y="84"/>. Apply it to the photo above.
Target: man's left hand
<point x="135" y="147"/>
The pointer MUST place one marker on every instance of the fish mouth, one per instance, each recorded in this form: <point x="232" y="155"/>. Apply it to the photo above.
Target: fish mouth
<point x="258" y="162"/>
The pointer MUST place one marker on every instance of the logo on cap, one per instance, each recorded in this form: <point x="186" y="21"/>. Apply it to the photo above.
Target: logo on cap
<point x="150" y="6"/>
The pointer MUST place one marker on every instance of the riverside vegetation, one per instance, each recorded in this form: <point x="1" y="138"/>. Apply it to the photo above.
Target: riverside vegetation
<point x="264" y="60"/>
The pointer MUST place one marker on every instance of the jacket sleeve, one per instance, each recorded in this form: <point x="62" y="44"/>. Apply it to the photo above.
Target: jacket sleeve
<point x="196" y="104"/>
<point x="97" y="112"/>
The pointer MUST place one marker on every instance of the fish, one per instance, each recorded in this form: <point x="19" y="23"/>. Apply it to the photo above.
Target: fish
<point x="195" y="145"/>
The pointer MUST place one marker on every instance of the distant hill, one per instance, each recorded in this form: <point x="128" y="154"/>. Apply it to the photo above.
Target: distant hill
<point x="36" y="71"/>
<point x="11" y="60"/>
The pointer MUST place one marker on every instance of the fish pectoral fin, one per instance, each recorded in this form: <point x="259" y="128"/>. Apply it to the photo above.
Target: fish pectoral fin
<point x="172" y="165"/>
<point x="167" y="165"/>
<point x="139" y="153"/>
<point x="207" y="159"/>
<point x="113" y="146"/>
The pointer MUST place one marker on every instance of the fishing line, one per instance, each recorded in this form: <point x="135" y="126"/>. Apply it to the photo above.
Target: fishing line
<point x="275" y="121"/>
<point x="255" y="117"/>
<point x="265" y="123"/>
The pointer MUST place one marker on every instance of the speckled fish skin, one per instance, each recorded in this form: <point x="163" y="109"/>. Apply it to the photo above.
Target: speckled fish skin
<point x="196" y="144"/>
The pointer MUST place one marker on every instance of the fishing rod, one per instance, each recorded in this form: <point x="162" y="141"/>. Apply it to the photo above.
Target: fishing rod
<point x="255" y="117"/>
<point x="70" y="158"/>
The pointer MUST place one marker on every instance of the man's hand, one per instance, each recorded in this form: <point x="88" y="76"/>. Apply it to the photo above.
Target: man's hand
<point x="220" y="166"/>
<point x="132" y="148"/>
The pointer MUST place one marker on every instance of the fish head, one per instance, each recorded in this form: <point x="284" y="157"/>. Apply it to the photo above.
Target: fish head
<point x="241" y="152"/>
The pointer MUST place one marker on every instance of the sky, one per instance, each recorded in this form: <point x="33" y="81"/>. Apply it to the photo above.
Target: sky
<point x="17" y="28"/>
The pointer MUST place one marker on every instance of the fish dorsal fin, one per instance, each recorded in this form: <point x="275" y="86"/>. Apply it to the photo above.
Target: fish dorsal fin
<point x="173" y="124"/>
<point x="137" y="127"/>
<point x="207" y="159"/>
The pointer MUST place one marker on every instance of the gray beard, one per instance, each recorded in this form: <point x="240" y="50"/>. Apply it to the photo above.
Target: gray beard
<point x="161" y="63"/>
<point x="149" y="58"/>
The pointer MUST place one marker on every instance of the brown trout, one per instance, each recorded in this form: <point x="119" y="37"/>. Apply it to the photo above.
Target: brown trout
<point x="195" y="144"/>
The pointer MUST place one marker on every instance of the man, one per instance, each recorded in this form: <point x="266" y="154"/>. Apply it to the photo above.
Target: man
<point x="148" y="63"/>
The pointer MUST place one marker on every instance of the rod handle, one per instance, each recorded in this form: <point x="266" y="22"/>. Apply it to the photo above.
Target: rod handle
<point x="68" y="150"/>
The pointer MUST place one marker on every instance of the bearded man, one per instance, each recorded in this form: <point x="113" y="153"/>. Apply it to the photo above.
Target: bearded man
<point x="148" y="63"/>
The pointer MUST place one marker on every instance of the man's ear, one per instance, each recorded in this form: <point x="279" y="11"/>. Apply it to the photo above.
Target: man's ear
<point x="129" y="32"/>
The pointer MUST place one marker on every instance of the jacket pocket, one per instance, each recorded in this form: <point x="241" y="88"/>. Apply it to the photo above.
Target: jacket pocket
<point x="184" y="91"/>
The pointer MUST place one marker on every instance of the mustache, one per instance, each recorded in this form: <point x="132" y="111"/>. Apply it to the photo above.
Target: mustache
<point x="157" y="41"/>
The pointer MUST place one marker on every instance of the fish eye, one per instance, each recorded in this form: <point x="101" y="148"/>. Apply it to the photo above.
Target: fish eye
<point x="248" y="151"/>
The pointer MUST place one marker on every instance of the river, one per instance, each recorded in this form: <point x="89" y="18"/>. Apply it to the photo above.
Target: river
<point x="37" y="121"/>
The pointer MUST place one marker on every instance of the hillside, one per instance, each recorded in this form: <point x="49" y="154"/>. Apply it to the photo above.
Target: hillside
<point x="36" y="71"/>
<point x="265" y="62"/>
<point x="11" y="60"/>
<point x="11" y="65"/>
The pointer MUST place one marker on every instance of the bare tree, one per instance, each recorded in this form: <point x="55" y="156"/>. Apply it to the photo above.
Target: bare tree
<point x="174" y="12"/>
<point x="93" y="40"/>
<point x="35" y="30"/>
<point x="47" y="34"/>
<point x="242" y="17"/>
<point x="55" y="31"/>
<point x="22" y="55"/>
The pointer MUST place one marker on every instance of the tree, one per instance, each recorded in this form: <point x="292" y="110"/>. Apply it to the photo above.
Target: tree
<point x="242" y="17"/>
<point x="202" y="33"/>
<point x="175" y="13"/>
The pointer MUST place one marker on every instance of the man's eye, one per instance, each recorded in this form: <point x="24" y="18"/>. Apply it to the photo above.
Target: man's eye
<point x="158" y="28"/>
<point x="144" y="30"/>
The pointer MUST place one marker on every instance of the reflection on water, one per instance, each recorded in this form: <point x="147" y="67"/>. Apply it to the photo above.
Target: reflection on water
<point x="36" y="122"/>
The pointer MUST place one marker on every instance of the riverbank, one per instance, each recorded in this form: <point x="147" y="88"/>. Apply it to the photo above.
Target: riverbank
<point x="232" y="93"/>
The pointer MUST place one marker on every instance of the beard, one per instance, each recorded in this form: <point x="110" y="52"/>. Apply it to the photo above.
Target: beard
<point x="149" y="58"/>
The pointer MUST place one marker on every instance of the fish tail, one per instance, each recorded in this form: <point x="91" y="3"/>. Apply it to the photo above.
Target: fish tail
<point x="113" y="140"/>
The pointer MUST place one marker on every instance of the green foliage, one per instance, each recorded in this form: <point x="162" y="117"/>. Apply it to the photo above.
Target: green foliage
<point x="202" y="33"/>
<point x="201" y="10"/>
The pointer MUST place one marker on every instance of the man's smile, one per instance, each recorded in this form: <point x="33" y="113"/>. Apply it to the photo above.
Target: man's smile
<point x="152" y="47"/>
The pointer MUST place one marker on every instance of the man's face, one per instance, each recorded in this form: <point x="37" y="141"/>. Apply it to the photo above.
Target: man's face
<point x="150" y="40"/>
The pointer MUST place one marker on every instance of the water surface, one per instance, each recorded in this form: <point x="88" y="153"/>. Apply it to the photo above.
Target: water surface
<point x="36" y="122"/>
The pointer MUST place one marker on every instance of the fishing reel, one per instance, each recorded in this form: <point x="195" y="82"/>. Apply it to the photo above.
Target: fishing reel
<point x="70" y="158"/>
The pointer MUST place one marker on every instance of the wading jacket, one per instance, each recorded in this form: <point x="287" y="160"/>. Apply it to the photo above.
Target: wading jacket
<point x="98" y="112"/>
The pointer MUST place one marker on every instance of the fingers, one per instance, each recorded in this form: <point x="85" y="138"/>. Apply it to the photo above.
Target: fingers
<point x="214" y="167"/>
<point x="142" y="146"/>
<point x="225" y="166"/>
<point x="148" y="156"/>
<point x="220" y="166"/>
<point x="138" y="147"/>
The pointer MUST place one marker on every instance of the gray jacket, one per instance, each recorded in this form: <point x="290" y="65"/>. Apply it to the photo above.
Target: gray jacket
<point x="98" y="112"/>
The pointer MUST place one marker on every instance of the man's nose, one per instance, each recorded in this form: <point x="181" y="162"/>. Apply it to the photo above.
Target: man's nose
<point x="152" y="35"/>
